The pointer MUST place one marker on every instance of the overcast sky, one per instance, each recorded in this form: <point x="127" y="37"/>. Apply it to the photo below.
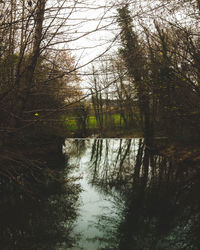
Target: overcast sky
<point x="95" y="21"/>
<point x="90" y="27"/>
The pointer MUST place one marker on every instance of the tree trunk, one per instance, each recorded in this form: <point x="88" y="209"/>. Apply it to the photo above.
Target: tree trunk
<point x="25" y="86"/>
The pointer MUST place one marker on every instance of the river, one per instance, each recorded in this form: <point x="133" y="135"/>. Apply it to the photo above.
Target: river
<point x="133" y="198"/>
<point x="116" y="194"/>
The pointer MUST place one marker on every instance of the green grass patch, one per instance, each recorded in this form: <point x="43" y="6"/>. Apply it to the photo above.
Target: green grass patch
<point x="71" y="123"/>
<point x="92" y="122"/>
<point x="110" y="122"/>
<point x="118" y="120"/>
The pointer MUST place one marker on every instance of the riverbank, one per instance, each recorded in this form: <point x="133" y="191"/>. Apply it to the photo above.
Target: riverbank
<point x="38" y="199"/>
<point x="27" y="160"/>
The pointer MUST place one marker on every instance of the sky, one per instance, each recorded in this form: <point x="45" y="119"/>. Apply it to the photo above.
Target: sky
<point x="98" y="25"/>
<point x="89" y="27"/>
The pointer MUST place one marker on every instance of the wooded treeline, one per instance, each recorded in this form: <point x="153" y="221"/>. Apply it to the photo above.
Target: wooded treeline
<point x="165" y="68"/>
<point x="151" y="81"/>
<point x="156" y="70"/>
<point x="35" y="81"/>
<point x="33" y="76"/>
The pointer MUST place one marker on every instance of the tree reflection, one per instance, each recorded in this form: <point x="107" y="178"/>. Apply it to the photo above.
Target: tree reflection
<point x="111" y="162"/>
<point x="40" y="220"/>
<point x="156" y="197"/>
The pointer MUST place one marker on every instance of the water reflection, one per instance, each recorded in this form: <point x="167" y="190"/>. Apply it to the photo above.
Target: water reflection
<point x="139" y="198"/>
<point x="132" y="197"/>
<point x="42" y="219"/>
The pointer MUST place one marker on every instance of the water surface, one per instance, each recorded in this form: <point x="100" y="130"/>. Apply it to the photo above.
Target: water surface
<point x="134" y="198"/>
<point x="118" y="194"/>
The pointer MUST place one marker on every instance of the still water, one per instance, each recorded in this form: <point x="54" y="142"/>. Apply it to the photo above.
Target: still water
<point x="118" y="194"/>
<point x="97" y="164"/>
<point x="134" y="198"/>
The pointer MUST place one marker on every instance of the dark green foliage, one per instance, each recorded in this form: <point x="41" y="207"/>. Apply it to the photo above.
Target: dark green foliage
<point x="134" y="58"/>
<point x="165" y="71"/>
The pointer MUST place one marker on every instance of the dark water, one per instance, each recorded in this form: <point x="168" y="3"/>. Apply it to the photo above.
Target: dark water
<point x="117" y="194"/>
<point x="39" y="215"/>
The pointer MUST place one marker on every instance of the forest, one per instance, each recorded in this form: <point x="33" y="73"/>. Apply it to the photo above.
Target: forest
<point x="147" y="85"/>
<point x="85" y="69"/>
